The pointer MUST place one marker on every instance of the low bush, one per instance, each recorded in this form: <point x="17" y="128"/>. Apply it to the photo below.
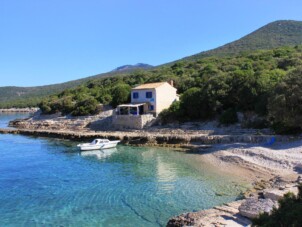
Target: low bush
<point x="228" y="117"/>
<point x="87" y="106"/>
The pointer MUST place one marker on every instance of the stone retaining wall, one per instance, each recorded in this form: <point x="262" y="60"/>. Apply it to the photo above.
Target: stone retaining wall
<point x="131" y="121"/>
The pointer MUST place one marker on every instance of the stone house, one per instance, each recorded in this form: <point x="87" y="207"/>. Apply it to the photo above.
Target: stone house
<point x="147" y="101"/>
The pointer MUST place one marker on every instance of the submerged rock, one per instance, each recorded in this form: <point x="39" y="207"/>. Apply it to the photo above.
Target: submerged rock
<point x="180" y="221"/>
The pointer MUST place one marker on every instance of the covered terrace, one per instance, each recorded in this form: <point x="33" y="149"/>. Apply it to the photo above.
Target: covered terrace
<point x="132" y="109"/>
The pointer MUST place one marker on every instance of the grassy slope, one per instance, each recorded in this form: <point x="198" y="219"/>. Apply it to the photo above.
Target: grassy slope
<point x="272" y="35"/>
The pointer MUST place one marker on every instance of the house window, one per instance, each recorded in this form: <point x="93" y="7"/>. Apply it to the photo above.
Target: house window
<point x="149" y="94"/>
<point x="151" y="107"/>
<point x="135" y="95"/>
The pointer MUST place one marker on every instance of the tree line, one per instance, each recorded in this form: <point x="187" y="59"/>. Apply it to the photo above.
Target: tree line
<point x="265" y="82"/>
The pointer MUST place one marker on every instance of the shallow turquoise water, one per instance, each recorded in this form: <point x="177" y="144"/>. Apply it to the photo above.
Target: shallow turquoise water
<point x="47" y="182"/>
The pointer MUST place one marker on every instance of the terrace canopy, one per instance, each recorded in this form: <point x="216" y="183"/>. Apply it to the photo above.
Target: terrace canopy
<point x="131" y="109"/>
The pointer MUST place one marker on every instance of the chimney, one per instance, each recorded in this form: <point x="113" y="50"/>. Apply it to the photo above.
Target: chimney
<point x="171" y="82"/>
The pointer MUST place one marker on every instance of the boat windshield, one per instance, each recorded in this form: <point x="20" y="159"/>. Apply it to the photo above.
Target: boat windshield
<point x="97" y="141"/>
<point x="94" y="142"/>
<point x="104" y="141"/>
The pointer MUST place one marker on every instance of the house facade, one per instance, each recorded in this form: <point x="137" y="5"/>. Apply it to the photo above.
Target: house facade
<point x="156" y="96"/>
<point x="147" y="101"/>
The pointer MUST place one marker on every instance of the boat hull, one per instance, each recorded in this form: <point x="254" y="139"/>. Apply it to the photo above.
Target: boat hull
<point x="107" y="145"/>
<point x="110" y="145"/>
<point x="90" y="148"/>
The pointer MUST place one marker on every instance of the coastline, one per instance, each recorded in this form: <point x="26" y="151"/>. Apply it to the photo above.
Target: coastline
<point x="263" y="167"/>
<point x="19" y="110"/>
<point x="190" y="135"/>
<point x="239" y="212"/>
<point x="194" y="141"/>
<point x="221" y="146"/>
<point x="250" y="156"/>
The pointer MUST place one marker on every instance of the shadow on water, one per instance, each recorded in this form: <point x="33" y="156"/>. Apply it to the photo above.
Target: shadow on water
<point x="99" y="154"/>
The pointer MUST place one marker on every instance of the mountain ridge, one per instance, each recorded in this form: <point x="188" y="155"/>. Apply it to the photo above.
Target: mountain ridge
<point x="272" y="35"/>
<point x="124" y="68"/>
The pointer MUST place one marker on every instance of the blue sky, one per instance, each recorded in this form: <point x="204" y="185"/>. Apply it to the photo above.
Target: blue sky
<point x="53" y="41"/>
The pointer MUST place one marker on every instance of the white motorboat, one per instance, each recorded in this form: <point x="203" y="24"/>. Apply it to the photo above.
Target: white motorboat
<point x="98" y="144"/>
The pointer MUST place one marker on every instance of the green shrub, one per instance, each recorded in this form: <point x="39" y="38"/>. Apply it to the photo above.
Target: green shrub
<point x="172" y="114"/>
<point x="67" y="105"/>
<point x="259" y="123"/>
<point x="285" y="104"/>
<point x="45" y="107"/>
<point x="120" y="94"/>
<point x="191" y="103"/>
<point x="228" y="117"/>
<point x="87" y="106"/>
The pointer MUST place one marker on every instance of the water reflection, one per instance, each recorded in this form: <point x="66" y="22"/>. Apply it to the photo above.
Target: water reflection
<point x="166" y="175"/>
<point x="53" y="184"/>
<point x="166" y="171"/>
<point x="99" y="154"/>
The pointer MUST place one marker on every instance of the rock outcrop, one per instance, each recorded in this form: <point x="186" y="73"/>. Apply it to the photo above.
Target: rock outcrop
<point x="236" y="213"/>
<point x="64" y="123"/>
<point x="225" y="215"/>
<point x="276" y="194"/>
<point x="252" y="207"/>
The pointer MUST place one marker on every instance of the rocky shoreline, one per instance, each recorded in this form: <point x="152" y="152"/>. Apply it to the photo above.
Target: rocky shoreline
<point x="190" y="135"/>
<point x="273" y="172"/>
<point x="19" y="110"/>
<point x="144" y="138"/>
<point x="258" y="155"/>
<point x="240" y="212"/>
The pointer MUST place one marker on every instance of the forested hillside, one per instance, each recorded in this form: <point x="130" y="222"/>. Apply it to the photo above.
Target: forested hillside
<point x="32" y="96"/>
<point x="265" y="82"/>
<point x="279" y="33"/>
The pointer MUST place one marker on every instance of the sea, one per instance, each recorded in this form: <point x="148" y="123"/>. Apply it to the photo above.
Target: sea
<point x="49" y="182"/>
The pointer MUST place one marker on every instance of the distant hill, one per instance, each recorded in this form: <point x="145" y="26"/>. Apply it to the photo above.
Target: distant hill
<point x="275" y="34"/>
<point x="15" y="96"/>
<point x="11" y="96"/>
<point x="272" y="35"/>
<point x="132" y="67"/>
